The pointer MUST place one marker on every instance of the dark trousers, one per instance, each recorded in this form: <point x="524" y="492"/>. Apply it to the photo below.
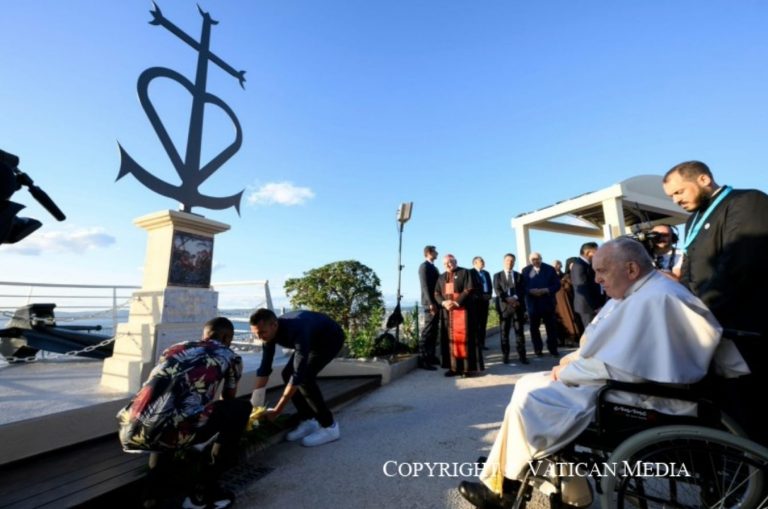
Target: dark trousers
<point x="513" y="321"/>
<point x="228" y="419"/>
<point x="550" y="324"/>
<point x="428" y="341"/>
<point x="482" y="322"/>
<point x="308" y="399"/>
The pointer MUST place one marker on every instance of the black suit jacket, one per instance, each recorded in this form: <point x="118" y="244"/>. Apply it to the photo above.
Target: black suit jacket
<point x="479" y="276"/>
<point x="501" y="287"/>
<point x="428" y="275"/>
<point x="725" y="264"/>
<point x="587" y="297"/>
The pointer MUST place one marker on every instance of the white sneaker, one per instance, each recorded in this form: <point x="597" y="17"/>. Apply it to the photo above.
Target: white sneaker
<point x="303" y="429"/>
<point x="322" y="436"/>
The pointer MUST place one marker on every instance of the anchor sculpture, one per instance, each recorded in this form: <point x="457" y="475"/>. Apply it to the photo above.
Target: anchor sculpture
<point x="190" y="172"/>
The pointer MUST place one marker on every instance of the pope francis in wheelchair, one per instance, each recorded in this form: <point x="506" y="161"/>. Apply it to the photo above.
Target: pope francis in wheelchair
<point x="646" y="444"/>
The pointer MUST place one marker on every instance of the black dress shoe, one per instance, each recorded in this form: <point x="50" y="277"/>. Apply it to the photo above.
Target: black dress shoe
<point x="479" y="495"/>
<point x="422" y="364"/>
<point x="506" y="359"/>
<point x="450" y="373"/>
<point x="510" y="487"/>
<point x="523" y="360"/>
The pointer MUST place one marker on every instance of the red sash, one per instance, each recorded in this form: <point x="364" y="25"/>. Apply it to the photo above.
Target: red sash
<point x="457" y="326"/>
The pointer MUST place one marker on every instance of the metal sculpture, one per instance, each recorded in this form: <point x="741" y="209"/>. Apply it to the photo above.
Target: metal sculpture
<point x="190" y="172"/>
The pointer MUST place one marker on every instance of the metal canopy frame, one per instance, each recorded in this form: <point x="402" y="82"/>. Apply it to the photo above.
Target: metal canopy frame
<point x="604" y="214"/>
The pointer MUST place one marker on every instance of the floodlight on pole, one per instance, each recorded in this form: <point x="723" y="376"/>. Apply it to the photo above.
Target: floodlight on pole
<point x="404" y="213"/>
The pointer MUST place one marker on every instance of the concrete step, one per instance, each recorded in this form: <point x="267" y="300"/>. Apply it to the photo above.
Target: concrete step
<point x="99" y="474"/>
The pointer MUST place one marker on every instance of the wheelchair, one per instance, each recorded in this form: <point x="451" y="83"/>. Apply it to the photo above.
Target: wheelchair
<point x="645" y="459"/>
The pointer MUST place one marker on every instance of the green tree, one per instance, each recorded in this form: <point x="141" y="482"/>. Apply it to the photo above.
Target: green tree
<point x="347" y="291"/>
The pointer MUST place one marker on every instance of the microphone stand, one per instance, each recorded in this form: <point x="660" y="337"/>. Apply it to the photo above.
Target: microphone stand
<point x="399" y="297"/>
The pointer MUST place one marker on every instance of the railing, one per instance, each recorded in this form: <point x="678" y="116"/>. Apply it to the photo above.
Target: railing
<point x="108" y="304"/>
<point x="238" y="306"/>
<point x="73" y="302"/>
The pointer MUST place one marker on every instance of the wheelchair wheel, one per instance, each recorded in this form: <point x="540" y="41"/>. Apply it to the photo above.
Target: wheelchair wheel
<point x="686" y="467"/>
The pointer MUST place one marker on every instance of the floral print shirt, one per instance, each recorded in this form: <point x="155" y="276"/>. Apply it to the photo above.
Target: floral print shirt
<point x="175" y="402"/>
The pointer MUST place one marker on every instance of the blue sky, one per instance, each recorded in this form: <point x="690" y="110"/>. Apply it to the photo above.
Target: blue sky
<point x="475" y="111"/>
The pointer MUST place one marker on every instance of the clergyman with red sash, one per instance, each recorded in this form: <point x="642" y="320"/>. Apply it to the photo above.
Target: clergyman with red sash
<point x="455" y="294"/>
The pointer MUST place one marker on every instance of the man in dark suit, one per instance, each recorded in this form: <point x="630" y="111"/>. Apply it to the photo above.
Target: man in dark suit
<point x="587" y="295"/>
<point x="482" y="298"/>
<point x="541" y="284"/>
<point x="428" y="275"/>
<point x="510" y="299"/>
<point x="726" y="241"/>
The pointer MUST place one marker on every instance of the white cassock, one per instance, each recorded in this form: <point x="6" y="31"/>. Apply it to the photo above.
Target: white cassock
<point x="658" y="332"/>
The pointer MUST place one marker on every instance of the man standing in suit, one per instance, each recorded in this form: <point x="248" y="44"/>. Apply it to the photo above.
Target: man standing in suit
<point x="726" y="241"/>
<point x="541" y="284"/>
<point x="428" y="275"/>
<point x="510" y="297"/>
<point x="483" y="298"/>
<point x="587" y="295"/>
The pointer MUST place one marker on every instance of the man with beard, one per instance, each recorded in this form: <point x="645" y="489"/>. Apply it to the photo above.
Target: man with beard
<point x="726" y="241"/>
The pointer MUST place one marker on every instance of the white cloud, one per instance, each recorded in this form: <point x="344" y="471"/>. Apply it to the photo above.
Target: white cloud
<point x="280" y="193"/>
<point x="62" y="241"/>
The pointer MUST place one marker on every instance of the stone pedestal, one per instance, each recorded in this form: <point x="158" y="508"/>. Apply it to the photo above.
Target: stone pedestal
<point x="175" y="299"/>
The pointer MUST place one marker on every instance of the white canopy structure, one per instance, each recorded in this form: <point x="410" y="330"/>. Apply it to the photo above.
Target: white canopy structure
<point x="603" y="214"/>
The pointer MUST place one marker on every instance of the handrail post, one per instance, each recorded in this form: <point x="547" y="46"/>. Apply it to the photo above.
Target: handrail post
<point x="114" y="310"/>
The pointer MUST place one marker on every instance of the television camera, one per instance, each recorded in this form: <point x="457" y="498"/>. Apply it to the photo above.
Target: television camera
<point x="13" y="228"/>
<point x="643" y="233"/>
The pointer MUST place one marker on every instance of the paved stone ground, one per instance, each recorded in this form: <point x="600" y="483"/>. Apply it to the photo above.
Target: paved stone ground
<point x="419" y="418"/>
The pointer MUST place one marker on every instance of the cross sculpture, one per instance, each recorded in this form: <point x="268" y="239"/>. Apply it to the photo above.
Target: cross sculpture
<point x="188" y="169"/>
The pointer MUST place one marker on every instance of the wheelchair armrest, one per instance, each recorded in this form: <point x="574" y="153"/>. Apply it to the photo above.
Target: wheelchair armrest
<point x="671" y="391"/>
<point x="678" y="391"/>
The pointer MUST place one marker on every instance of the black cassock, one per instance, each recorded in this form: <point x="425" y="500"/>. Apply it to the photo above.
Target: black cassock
<point x="458" y="330"/>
